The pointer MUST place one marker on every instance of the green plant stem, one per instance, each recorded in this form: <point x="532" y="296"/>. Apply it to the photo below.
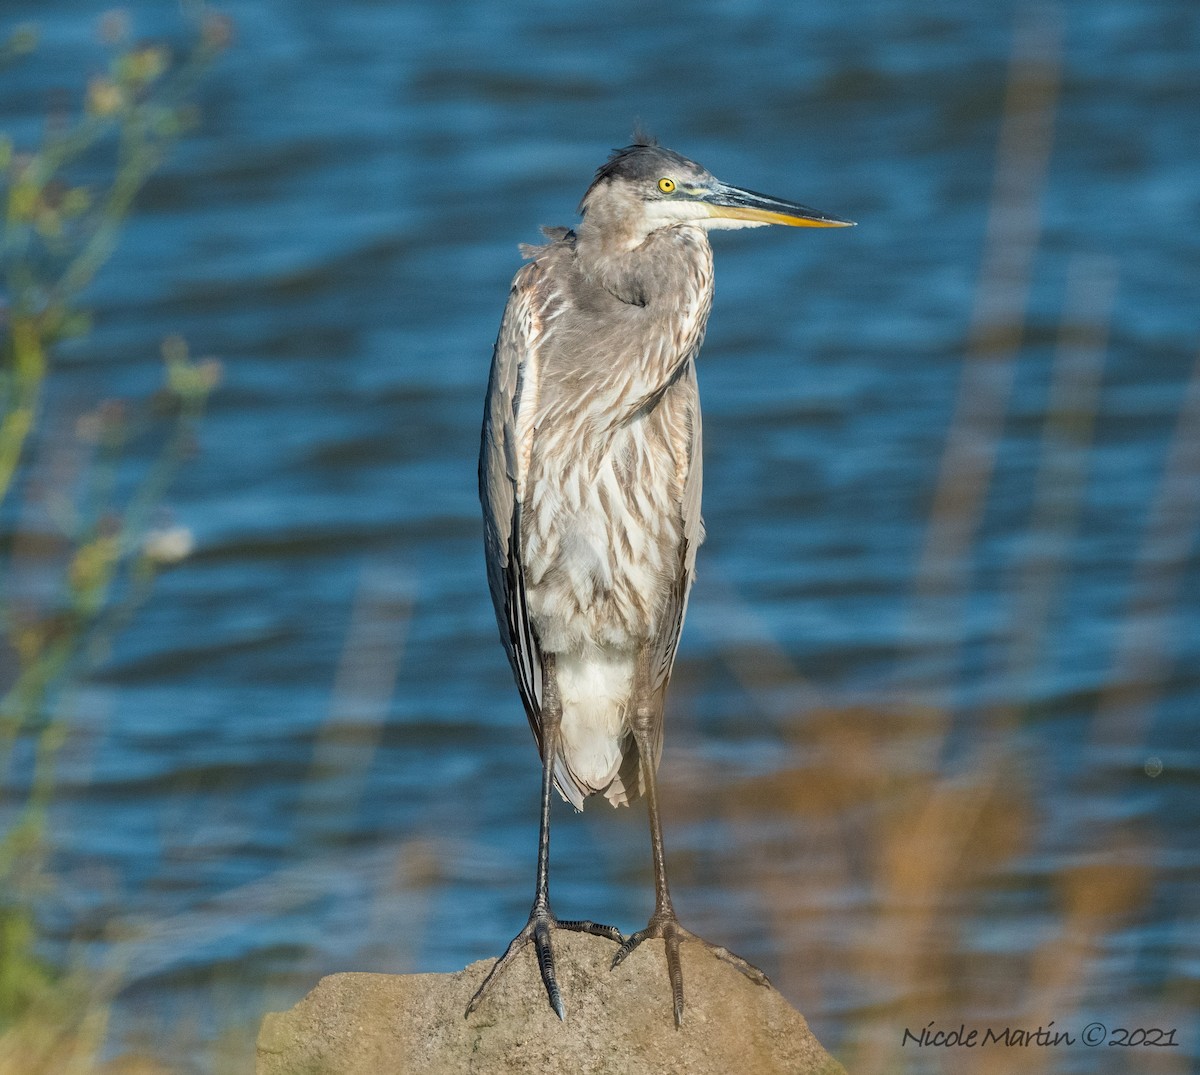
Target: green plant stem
<point x="29" y="370"/>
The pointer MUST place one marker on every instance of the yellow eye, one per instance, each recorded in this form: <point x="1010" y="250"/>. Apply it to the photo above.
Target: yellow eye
<point x="667" y="186"/>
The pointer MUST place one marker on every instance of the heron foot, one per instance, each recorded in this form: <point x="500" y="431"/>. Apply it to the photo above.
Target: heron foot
<point x="537" y="932"/>
<point x="664" y="924"/>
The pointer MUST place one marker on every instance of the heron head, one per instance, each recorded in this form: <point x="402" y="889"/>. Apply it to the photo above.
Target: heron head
<point x="645" y="186"/>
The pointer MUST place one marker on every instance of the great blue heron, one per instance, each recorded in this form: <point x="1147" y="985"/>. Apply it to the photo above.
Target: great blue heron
<point x="589" y="474"/>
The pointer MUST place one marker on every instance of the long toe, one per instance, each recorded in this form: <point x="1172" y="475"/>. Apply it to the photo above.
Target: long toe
<point x="537" y="932"/>
<point x="594" y="928"/>
<point x="667" y="927"/>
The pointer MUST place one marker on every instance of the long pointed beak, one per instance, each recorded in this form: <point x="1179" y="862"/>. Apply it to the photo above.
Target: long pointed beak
<point x="733" y="203"/>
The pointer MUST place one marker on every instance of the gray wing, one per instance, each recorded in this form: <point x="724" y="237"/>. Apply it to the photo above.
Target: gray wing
<point x="693" y="530"/>
<point x="501" y="459"/>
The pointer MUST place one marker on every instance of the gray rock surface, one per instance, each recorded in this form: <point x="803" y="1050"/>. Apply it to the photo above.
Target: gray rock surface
<point x="618" y="1021"/>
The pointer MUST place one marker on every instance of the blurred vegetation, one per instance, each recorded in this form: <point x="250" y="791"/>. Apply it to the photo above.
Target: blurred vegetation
<point x="78" y="545"/>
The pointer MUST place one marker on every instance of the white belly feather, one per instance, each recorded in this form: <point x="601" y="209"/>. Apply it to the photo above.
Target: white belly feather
<point x="595" y="690"/>
<point x="600" y="557"/>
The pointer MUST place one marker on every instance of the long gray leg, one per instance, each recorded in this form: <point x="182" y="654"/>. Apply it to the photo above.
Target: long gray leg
<point x="541" y="918"/>
<point x="646" y="717"/>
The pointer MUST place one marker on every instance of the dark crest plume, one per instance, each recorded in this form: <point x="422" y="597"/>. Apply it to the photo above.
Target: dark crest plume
<point x="643" y="158"/>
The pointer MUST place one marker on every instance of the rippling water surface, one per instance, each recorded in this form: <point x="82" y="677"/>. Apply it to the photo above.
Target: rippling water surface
<point x="947" y="609"/>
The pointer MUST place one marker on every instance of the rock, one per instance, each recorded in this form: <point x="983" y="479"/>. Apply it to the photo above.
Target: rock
<point x="618" y="1021"/>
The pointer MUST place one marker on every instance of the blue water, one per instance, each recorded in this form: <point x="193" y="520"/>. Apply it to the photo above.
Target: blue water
<point x="305" y="753"/>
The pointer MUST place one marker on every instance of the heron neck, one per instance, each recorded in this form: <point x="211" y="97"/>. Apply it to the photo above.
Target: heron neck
<point x="626" y="260"/>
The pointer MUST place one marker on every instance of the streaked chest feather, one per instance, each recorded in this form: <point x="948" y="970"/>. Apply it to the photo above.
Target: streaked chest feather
<point x="604" y="423"/>
<point x="601" y="531"/>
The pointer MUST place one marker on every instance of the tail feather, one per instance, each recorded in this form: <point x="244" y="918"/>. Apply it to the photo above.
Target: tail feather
<point x="621" y="787"/>
<point x="567" y="786"/>
<point x="626" y="784"/>
<point x="594" y="688"/>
